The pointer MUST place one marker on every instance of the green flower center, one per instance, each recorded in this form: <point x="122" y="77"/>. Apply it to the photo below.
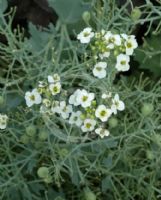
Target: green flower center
<point x="123" y="62"/>
<point x="99" y="68"/>
<point x="86" y="34"/>
<point x="32" y="97"/>
<point x="88" y="125"/>
<point x="55" y="89"/>
<point x="84" y="98"/>
<point x="103" y="113"/>
<point x="116" y="103"/>
<point x="129" y="45"/>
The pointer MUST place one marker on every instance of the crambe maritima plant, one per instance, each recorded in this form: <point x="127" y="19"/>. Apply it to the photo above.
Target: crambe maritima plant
<point x="84" y="108"/>
<point x="89" y="129"/>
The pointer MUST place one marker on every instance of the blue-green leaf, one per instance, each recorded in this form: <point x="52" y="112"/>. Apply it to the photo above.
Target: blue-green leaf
<point x="69" y="11"/>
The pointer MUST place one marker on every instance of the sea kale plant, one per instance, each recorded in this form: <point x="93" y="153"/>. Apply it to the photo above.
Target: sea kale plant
<point x="79" y="119"/>
<point x="106" y="54"/>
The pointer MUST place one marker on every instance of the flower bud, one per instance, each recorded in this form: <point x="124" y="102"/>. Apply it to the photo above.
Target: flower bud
<point x="31" y="130"/>
<point x="89" y="195"/>
<point x="82" y="116"/>
<point x="86" y="16"/>
<point x="116" y="53"/>
<point x="94" y="103"/>
<point x="48" y="179"/>
<point x="43" y="135"/>
<point x="135" y="14"/>
<point x="147" y="109"/>
<point x="24" y="139"/>
<point x="113" y="122"/>
<point x="149" y="155"/>
<point x="43" y="172"/>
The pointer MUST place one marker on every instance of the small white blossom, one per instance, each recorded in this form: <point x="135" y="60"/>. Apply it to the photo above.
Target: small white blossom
<point x="33" y="97"/>
<point x="124" y="36"/>
<point x="73" y="98"/>
<point x="99" y="70"/>
<point x="86" y="35"/>
<point x="46" y="102"/>
<point x="102" y="132"/>
<point x="55" y="88"/>
<point x="3" y="121"/>
<point x="106" y="96"/>
<point x="122" y="63"/>
<point x="45" y="110"/>
<point x="55" y="107"/>
<point x="116" y="39"/>
<point x="130" y="45"/>
<point x="103" y="113"/>
<point x="104" y="55"/>
<point x="112" y="40"/>
<point x="42" y="84"/>
<point x="65" y="110"/>
<point x="85" y="98"/>
<point x="53" y="79"/>
<point x="117" y="104"/>
<point x="88" y="125"/>
<point x="75" y="118"/>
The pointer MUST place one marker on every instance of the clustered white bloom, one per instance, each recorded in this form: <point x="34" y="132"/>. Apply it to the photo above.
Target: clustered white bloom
<point x="103" y="113"/>
<point x="81" y="97"/>
<point x="99" y="70"/>
<point x="91" y="116"/>
<point x="86" y="35"/>
<point x="80" y="109"/>
<point x="105" y="44"/>
<point x="3" y="121"/>
<point x="33" y="97"/>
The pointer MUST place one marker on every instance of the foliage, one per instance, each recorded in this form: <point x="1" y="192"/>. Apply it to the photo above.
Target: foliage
<point x="38" y="157"/>
<point x="149" y="55"/>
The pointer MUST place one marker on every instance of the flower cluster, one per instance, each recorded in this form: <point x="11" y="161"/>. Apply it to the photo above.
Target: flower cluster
<point x="104" y="45"/>
<point x="3" y="121"/>
<point x="91" y="115"/>
<point x="80" y="109"/>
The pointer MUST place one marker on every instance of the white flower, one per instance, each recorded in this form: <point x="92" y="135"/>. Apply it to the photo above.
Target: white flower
<point x="103" y="113"/>
<point x="125" y="36"/>
<point x="55" y="107"/>
<point x="88" y="125"/>
<point x="46" y="102"/>
<point x="54" y="78"/>
<point x="99" y="70"/>
<point x="117" y="104"/>
<point x="104" y="55"/>
<point x="102" y="132"/>
<point x="32" y="98"/>
<point x="107" y="36"/>
<point x="112" y="40"/>
<point x="55" y="88"/>
<point x="84" y="98"/>
<point x="122" y="63"/>
<point x="106" y="95"/>
<point x="73" y="98"/>
<point x="130" y="45"/>
<point x="65" y="110"/>
<point x="44" y="109"/>
<point x="85" y="36"/>
<point x="3" y="121"/>
<point x="75" y="118"/>
<point x="42" y="84"/>
<point x="116" y="39"/>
